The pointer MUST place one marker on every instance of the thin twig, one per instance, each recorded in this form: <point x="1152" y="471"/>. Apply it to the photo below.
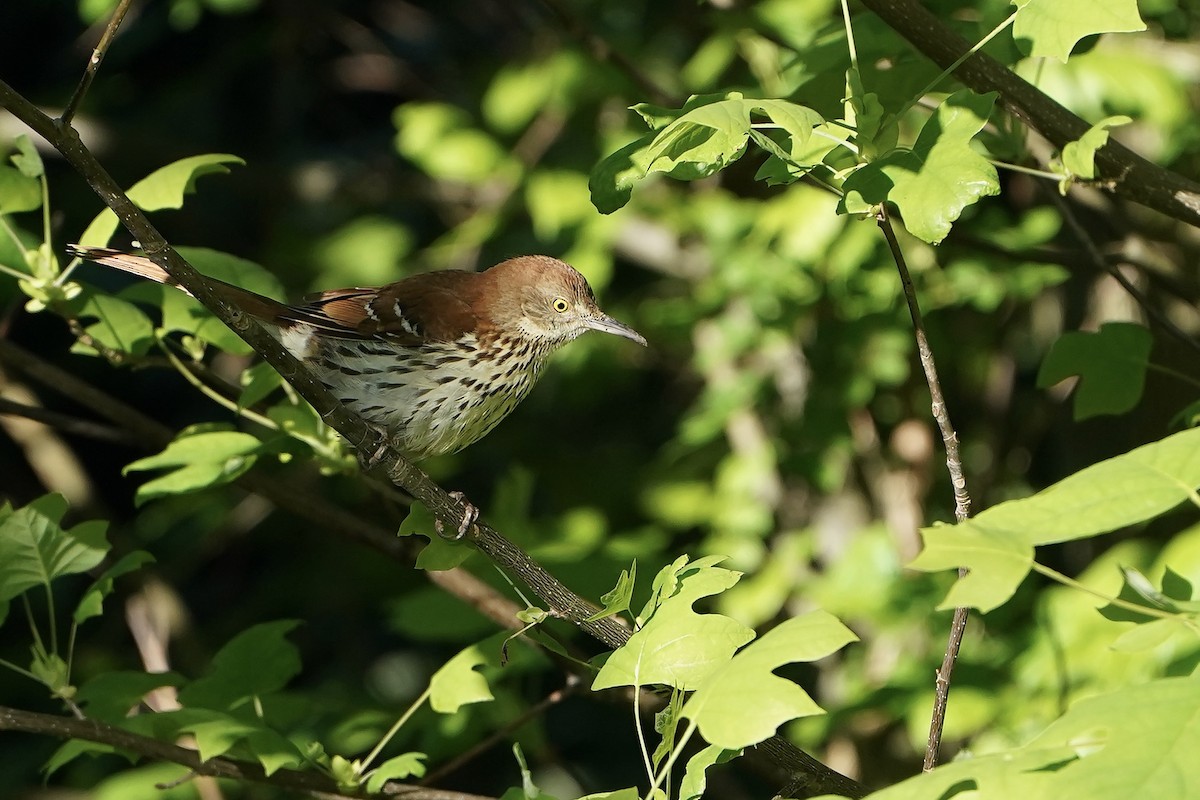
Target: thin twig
<point x="89" y="72"/>
<point x="68" y="424"/>
<point x="604" y="52"/>
<point x="1100" y="262"/>
<point x="479" y="748"/>
<point x="962" y="499"/>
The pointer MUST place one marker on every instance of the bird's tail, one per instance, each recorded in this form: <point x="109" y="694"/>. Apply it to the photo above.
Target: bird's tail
<point x="126" y="262"/>
<point x="254" y="304"/>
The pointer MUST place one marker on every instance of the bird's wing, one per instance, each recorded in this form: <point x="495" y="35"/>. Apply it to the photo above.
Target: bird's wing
<point x="435" y="306"/>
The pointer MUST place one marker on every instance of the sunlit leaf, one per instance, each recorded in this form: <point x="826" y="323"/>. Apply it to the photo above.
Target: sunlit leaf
<point x="678" y="647"/>
<point x="459" y="682"/>
<point x="742" y="702"/>
<point x="166" y="187"/>
<point x="1051" y="28"/>
<point x="997" y="544"/>
<point x="938" y="178"/>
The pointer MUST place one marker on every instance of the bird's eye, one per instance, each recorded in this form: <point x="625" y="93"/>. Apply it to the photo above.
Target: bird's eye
<point x="560" y="305"/>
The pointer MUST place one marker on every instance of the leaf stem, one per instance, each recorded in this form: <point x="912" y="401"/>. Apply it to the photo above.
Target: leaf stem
<point x="1037" y="173"/>
<point x="18" y="670"/>
<point x="1119" y="602"/>
<point x="641" y="735"/>
<point x="955" y="65"/>
<point x="392" y="731"/>
<point x="1181" y="376"/>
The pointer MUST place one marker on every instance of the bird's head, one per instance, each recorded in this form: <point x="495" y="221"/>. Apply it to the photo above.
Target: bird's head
<point x="549" y="302"/>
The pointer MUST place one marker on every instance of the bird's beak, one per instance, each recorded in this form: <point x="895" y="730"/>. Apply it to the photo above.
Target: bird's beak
<point x="606" y="324"/>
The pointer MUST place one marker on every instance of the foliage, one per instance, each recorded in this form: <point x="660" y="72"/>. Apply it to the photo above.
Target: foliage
<point x="744" y="497"/>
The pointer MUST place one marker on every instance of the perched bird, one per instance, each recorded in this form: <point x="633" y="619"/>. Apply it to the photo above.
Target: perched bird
<point x="435" y="360"/>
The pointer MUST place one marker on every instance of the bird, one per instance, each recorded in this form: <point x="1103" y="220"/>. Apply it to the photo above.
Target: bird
<point x="435" y="360"/>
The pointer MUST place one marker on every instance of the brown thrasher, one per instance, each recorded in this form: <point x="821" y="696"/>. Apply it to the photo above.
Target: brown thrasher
<point x="434" y="360"/>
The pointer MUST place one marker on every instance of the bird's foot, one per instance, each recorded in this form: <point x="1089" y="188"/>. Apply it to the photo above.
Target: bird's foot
<point x="371" y="451"/>
<point x="470" y="514"/>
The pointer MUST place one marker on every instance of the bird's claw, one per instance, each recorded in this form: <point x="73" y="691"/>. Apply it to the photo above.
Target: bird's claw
<point x="470" y="514"/>
<point x="370" y="458"/>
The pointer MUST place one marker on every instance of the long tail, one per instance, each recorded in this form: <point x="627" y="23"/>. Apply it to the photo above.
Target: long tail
<point x="262" y="307"/>
<point x="126" y="262"/>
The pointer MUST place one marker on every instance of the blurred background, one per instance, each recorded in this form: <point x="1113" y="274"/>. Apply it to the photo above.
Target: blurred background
<point x="778" y="417"/>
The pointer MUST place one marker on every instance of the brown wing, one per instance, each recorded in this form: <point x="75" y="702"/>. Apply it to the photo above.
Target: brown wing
<point x="434" y="306"/>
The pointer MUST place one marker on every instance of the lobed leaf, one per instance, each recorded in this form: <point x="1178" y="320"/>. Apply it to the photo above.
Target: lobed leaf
<point x="997" y="545"/>
<point x="35" y="549"/>
<point x="938" y="178"/>
<point x="1111" y="364"/>
<point x="709" y="135"/>
<point x="742" y="702"/>
<point x="1051" y="28"/>
<point x="459" y="683"/>
<point x="256" y="661"/>
<point x="678" y="647"/>
<point x="166" y="187"/>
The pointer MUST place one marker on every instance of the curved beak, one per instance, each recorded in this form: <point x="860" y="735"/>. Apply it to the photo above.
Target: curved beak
<point x="606" y="324"/>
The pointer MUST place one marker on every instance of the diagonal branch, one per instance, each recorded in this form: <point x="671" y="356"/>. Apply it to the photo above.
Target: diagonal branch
<point x="812" y="774"/>
<point x="1123" y="172"/>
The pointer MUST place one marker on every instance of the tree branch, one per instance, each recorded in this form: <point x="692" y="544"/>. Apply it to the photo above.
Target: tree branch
<point x="310" y="782"/>
<point x="1123" y="172"/>
<point x="449" y="510"/>
<point x="958" y="482"/>
<point x="93" y="65"/>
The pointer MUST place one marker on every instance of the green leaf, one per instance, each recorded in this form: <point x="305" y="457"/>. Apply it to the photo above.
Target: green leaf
<point x="997" y="545"/>
<point x="258" y="382"/>
<point x="1050" y="28"/>
<point x="110" y="695"/>
<point x="678" y="647"/>
<point x="440" y="139"/>
<point x="439" y="554"/>
<point x="666" y="725"/>
<point x="18" y="192"/>
<point x="204" y="459"/>
<point x="1175" y="597"/>
<point x="742" y="702"/>
<point x="407" y="765"/>
<point x="630" y="793"/>
<point x="27" y="159"/>
<point x="618" y="599"/>
<point x="186" y="314"/>
<point x="694" y="778"/>
<point x="702" y="141"/>
<point x="1079" y="157"/>
<point x="1111" y="365"/>
<point x="166" y="187"/>
<point x="35" y="549"/>
<point x="92" y="602"/>
<point x="459" y="683"/>
<point x="73" y="749"/>
<point x="1139" y="741"/>
<point x="940" y="176"/>
<point x="120" y="326"/>
<point x="256" y="661"/>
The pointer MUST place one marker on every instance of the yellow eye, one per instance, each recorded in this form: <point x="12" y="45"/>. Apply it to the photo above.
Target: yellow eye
<point x="560" y="305"/>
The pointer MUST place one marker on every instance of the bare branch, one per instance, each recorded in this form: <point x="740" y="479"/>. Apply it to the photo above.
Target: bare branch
<point x="68" y="424"/>
<point x="958" y="482"/>
<point x="93" y="65"/>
